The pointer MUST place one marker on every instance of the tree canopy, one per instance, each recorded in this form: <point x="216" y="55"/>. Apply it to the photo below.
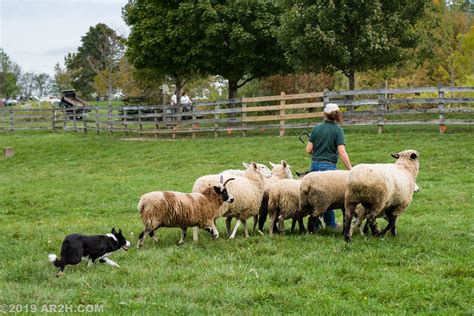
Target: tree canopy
<point x="349" y="35"/>
<point x="234" y="39"/>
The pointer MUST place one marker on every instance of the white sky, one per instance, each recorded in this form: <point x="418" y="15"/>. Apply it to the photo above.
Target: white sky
<point x="36" y="34"/>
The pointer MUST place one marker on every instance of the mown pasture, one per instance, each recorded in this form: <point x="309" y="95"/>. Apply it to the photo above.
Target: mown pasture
<point x="62" y="183"/>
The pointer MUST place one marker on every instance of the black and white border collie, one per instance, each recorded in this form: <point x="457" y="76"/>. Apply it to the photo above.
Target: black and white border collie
<point x="78" y="247"/>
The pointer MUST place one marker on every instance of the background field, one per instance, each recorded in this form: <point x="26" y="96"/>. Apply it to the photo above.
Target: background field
<point x="63" y="183"/>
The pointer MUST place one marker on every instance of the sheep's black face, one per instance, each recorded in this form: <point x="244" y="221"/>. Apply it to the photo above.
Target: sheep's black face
<point x="225" y="195"/>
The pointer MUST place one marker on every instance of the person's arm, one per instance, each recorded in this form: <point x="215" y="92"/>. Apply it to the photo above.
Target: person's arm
<point x="344" y="156"/>
<point x="309" y="148"/>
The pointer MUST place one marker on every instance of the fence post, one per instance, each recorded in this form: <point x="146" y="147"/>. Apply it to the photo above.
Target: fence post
<point x="282" y="114"/>
<point x="381" y="109"/>
<point x="156" y="120"/>
<point x="97" y="127"/>
<point x="12" y="121"/>
<point x="216" y="120"/>
<point x="84" y="120"/>
<point x="193" y="121"/>
<point x="140" y="124"/>
<point x="442" y="125"/>
<point x="74" y="120"/>
<point x="65" y="117"/>
<point x="54" y="120"/>
<point x="244" y="116"/>
<point x="109" y="117"/>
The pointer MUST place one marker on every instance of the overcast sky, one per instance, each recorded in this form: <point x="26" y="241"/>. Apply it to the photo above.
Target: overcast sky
<point x="36" y="34"/>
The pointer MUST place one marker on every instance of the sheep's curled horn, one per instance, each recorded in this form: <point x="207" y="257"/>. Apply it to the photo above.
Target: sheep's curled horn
<point x="300" y="136"/>
<point x="228" y="181"/>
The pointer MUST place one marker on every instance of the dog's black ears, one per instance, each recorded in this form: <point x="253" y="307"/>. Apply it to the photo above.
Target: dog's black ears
<point x="113" y="231"/>
<point x="120" y="232"/>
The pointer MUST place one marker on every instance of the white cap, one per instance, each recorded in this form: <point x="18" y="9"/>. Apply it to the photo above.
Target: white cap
<point x="331" y="107"/>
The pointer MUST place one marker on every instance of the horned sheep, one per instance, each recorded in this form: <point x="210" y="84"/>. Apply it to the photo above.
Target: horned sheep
<point x="382" y="189"/>
<point x="209" y="180"/>
<point x="177" y="209"/>
<point x="247" y="191"/>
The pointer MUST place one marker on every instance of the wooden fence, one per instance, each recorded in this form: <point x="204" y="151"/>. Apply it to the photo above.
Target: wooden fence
<point x="434" y="105"/>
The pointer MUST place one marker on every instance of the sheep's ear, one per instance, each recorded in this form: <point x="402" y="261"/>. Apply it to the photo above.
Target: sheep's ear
<point x="246" y="165"/>
<point x="221" y="180"/>
<point x="298" y="174"/>
<point x="396" y="156"/>
<point x="284" y="163"/>
<point x="272" y="164"/>
<point x="413" y="156"/>
<point x="254" y="165"/>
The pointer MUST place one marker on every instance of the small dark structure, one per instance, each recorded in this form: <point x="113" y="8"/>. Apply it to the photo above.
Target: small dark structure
<point x="73" y="104"/>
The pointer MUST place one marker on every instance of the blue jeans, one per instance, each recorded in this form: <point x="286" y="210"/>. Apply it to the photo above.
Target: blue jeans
<point x="329" y="217"/>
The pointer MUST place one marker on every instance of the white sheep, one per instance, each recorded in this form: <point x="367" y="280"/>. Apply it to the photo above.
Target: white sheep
<point x="209" y="180"/>
<point x="321" y="191"/>
<point x="382" y="189"/>
<point x="247" y="191"/>
<point x="279" y="172"/>
<point x="283" y="203"/>
<point x="177" y="209"/>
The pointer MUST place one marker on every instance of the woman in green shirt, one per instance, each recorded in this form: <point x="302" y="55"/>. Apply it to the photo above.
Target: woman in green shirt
<point x="326" y="144"/>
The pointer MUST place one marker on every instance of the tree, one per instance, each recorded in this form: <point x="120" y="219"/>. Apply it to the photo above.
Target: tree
<point x="27" y="84"/>
<point x="188" y="39"/>
<point x="62" y="79"/>
<point x="241" y="41"/>
<point x="43" y="84"/>
<point x="349" y="35"/>
<point x="10" y="73"/>
<point x="99" y="54"/>
<point x="164" y="39"/>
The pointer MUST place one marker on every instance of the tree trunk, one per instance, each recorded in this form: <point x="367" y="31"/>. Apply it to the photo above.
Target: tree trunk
<point x="351" y="78"/>
<point x="233" y="86"/>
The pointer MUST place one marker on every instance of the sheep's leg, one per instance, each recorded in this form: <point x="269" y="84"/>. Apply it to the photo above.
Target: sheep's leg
<point x="392" y="219"/>
<point x="293" y="224"/>
<point x="153" y="235"/>
<point x="141" y="237"/>
<point x="237" y="224"/>
<point x="273" y="220"/>
<point x="255" y="222"/>
<point x="183" y="235"/>
<point x="228" y="221"/>
<point x="349" y="213"/>
<point x="371" y="220"/>
<point x="195" y="233"/>
<point x="366" y="227"/>
<point x="246" y="231"/>
<point x="301" y="225"/>
<point x="281" y="224"/>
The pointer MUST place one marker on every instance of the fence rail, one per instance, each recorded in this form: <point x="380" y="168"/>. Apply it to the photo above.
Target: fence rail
<point x="429" y="105"/>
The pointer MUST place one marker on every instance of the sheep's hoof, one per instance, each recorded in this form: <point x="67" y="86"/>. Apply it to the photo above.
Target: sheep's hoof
<point x="180" y="242"/>
<point x="348" y="238"/>
<point x="260" y="232"/>
<point x="60" y="274"/>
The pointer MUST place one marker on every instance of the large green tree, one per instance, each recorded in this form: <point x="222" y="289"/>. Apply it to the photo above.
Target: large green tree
<point x="165" y="39"/>
<point x="99" y="55"/>
<point x="185" y="39"/>
<point x="241" y="41"/>
<point x="349" y="35"/>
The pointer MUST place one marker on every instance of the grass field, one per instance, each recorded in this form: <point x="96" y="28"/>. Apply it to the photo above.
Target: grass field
<point x="58" y="183"/>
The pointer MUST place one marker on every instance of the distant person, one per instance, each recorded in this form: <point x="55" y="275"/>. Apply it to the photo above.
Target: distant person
<point x="326" y="144"/>
<point x="174" y="99"/>
<point x="185" y="100"/>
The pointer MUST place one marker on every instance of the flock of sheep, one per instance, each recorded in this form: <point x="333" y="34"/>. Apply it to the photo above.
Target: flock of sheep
<point x="366" y="192"/>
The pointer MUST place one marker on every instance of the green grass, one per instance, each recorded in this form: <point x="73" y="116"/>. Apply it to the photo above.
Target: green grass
<point x="58" y="183"/>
